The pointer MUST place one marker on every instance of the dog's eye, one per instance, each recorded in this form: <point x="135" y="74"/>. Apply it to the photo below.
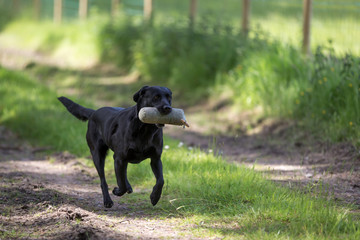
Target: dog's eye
<point x="168" y="97"/>
<point x="156" y="98"/>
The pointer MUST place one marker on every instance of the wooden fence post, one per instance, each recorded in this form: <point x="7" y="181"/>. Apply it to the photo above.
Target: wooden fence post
<point x="246" y="17"/>
<point x="15" y="4"/>
<point x="115" y="7"/>
<point x="37" y="7"/>
<point x="192" y="12"/>
<point x="306" y="27"/>
<point x="83" y="9"/>
<point x="57" y="11"/>
<point x="147" y="9"/>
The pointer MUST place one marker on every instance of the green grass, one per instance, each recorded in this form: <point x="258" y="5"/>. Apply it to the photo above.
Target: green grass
<point x="281" y="19"/>
<point x="71" y="45"/>
<point x="228" y="200"/>
<point x="212" y="61"/>
<point x="216" y="198"/>
<point x="34" y="112"/>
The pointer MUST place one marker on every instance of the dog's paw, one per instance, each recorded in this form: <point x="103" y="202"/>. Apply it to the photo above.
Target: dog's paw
<point x="108" y="204"/>
<point x="128" y="188"/>
<point x="118" y="192"/>
<point x="156" y="193"/>
<point x="154" y="198"/>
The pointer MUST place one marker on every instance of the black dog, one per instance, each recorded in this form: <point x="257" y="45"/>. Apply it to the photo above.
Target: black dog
<point x="131" y="140"/>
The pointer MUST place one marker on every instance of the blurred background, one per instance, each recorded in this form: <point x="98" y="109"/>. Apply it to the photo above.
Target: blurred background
<point x="336" y="20"/>
<point x="241" y="61"/>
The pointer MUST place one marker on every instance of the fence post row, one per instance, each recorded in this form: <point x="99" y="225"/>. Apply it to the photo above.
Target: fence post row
<point x="115" y="7"/>
<point x="306" y="27"/>
<point x="147" y="9"/>
<point x="57" y="11"/>
<point x="36" y="12"/>
<point x="192" y="12"/>
<point x="83" y="9"/>
<point x="245" y="26"/>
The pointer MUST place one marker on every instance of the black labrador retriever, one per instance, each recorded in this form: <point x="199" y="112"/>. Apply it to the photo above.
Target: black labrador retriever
<point x="132" y="141"/>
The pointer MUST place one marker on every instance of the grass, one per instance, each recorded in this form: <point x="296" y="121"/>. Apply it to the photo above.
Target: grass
<point x="216" y="198"/>
<point x="33" y="111"/>
<point x="212" y="61"/>
<point x="56" y="42"/>
<point x="216" y="62"/>
<point x="281" y="19"/>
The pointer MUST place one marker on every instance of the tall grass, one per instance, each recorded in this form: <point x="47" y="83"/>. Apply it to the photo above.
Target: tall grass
<point x="201" y="184"/>
<point x="331" y="96"/>
<point x="215" y="61"/>
<point x="213" y="197"/>
<point x="171" y="54"/>
<point x="33" y="111"/>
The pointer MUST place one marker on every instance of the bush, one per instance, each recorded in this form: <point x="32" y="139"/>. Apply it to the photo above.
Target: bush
<point x="214" y="60"/>
<point x="116" y="42"/>
<point x="331" y="96"/>
<point x="171" y="54"/>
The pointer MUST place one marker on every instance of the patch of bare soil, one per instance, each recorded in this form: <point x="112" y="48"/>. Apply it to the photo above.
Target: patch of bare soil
<point x="279" y="149"/>
<point x="55" y="198"/>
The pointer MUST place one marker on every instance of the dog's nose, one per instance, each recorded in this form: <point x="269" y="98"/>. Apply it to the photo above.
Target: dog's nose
<point x="167" y="109"/>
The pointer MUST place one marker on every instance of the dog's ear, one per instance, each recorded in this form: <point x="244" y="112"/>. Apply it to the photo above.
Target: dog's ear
<point x="139" y="93"/>
<point x="169" y="90"/>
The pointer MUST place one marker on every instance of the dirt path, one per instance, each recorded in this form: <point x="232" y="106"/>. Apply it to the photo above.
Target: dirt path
<point x="55" y="198"/>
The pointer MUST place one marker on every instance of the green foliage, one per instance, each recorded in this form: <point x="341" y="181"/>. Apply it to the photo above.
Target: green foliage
<point x="268" y="75"/>
<point x="331" y="96"/>
<point x="117" y="39"/>
<point x="33" y="111"/>
<point x="171" y="54"/>
<point x="212" y="60"/>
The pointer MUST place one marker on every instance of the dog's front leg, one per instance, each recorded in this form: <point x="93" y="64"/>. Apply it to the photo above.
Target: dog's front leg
<point x="156" y="166"/>
<point x="121" y="178"/>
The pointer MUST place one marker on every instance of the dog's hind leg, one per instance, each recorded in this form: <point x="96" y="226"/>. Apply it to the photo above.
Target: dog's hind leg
<point x="98" y="152"/>
<point x="99" y="161"/>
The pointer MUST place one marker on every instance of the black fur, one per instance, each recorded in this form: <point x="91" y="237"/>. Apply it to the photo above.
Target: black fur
<point x="78" y="111"/>
<point x="132" y="141"/>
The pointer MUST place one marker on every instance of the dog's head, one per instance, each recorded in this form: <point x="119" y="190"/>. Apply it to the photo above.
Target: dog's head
<point x="158" y="97"/>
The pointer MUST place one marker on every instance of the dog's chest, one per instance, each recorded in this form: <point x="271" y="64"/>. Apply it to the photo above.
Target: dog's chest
<point x="138" y="155"/>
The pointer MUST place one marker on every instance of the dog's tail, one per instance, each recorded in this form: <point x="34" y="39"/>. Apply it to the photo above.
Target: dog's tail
<point x="75" y="109"/>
